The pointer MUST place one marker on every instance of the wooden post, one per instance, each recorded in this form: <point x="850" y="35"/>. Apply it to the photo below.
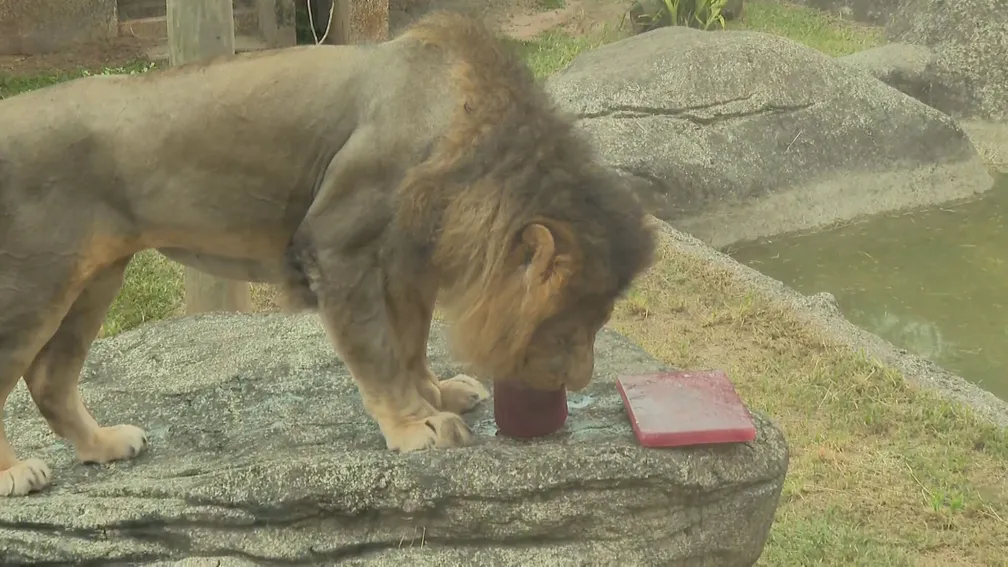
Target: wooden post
<point x="276" y="22"/>
<point x="200" y="29"/>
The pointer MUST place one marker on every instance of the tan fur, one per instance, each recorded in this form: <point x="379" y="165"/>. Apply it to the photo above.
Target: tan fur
<point x="368" y="182"/>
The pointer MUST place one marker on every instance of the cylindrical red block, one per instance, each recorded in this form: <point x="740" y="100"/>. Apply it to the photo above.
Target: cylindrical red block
<point x="525" y="412"/>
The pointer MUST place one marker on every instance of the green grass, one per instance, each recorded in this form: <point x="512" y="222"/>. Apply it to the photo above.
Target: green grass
<point x="553" y="50"/>
<point x="881" y="472"/>
<point x="551" y="4"/>
<point x="11" y="85"/>
<point x="827" y="33"/>
<point x="152" y="290"/>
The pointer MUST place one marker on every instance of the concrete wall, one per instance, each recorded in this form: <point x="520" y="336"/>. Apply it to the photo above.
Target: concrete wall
<point x="42" y="26"/>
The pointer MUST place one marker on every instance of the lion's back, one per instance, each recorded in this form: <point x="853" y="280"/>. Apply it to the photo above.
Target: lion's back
<point x="411" y="95"/>
<point x="443" y="64"/>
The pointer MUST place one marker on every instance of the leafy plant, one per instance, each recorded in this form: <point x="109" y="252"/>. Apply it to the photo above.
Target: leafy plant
<point x="702" y="14"/>
<point x="712" y="13"/>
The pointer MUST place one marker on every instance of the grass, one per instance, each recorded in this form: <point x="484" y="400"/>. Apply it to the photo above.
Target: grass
<point x="550" y="4"/>
<point x="152" y="290"/>
<point x="554" y="49"/>
<point x="881" y="472"/>
<point x="13" y="84"/>
<point x="827" y="33"/>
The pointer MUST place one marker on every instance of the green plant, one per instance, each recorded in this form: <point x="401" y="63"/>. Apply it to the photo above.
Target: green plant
<point x="551" y="4"/>
<point x="702" y="14"/>
<point x="696" y="13"/>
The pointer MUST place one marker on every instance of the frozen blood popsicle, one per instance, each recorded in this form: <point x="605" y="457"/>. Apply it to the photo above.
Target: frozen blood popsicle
<point x="673" y="409"/>
<point x="525" y="412"/>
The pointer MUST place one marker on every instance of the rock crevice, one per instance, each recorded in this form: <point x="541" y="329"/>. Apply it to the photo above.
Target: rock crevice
<point x="687" y="113"/>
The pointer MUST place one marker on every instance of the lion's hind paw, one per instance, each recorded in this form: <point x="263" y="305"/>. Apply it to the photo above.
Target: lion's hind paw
<point x="25" y="477"/>
<point x="462" y="394"/>
<point x="441" y="430"/>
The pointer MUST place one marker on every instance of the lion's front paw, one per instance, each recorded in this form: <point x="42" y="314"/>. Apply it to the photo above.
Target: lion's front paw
<point x="113" y="444"/>
<point x="462" y="394"/>
<point x="25" y="477"/>
<point x="440" y="430"/>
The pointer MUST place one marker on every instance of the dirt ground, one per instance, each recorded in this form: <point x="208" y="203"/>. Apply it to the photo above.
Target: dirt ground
<point x="116" y="53"/>
<point x="521" y="19"/>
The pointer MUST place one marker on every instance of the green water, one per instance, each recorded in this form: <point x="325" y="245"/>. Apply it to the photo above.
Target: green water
<point x="934" y="282"/>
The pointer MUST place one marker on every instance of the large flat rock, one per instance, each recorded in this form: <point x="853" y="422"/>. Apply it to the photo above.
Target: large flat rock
<point x="261" y="452"/>
<point x="737" y="135"/>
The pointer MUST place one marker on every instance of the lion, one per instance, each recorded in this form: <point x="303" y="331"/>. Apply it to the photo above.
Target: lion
<point x="367" y="182"/>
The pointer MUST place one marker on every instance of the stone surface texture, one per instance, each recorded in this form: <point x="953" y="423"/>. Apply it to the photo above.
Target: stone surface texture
<point x="261" y="454"/>
<point x="737" y="135"/>
<point x="912" y="69"/>
<point x="970" y="41"/>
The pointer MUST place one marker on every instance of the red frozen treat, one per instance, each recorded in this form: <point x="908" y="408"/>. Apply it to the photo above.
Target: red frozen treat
<point x="673" y="409"/>
<point x="525" y="412"/>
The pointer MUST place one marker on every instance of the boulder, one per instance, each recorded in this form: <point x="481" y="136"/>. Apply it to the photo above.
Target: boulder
<point x="737" y="135"/>
<point x="970" y="41"/>
<point x="911" y="69"/>
<point x="261" y="453"/>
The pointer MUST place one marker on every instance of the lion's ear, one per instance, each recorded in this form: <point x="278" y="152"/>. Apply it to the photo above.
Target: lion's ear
<point x="546" y="269"/>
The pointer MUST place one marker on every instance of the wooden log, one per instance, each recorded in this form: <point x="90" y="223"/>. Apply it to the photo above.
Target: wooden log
<point x="200" y="30"/>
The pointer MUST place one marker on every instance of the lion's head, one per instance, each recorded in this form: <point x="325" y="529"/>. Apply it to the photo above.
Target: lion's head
<point x="550" y="280"/>
<point x="532" y="239"/>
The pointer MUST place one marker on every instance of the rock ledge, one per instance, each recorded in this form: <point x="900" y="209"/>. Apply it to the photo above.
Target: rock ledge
<point x="260" y="452"/>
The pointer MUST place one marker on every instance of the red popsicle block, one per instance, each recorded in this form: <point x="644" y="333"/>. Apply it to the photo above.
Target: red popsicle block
<point x="524" y="412"/>
<point x="673" y="409"/>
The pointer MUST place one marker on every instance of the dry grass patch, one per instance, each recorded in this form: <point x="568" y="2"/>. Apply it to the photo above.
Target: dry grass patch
<point x="881" y="473"/>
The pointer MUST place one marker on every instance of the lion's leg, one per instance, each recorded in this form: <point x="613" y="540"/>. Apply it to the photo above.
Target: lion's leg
<point x="460" y="394"/>
<point x="18" y="478"/>
<point x="396" y="391"/>
<point x="30" y="312"/>
<point x="379" y="328"/>
<point x="52" y="377"/>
